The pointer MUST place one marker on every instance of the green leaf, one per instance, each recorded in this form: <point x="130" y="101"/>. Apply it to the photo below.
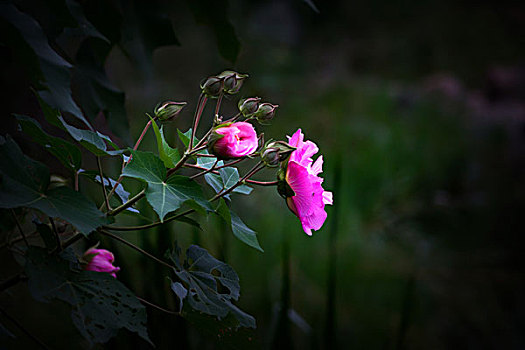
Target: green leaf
<point x="170" y="156"/>
<point x="203" y="275"/>
<point x="186" y="136"/>
<point x="164" y="195"/>
<point x="53" y="67"/>
<point x="214" y="181"/>
<point x="207" y="162"/>
<point x="24" y="184"/>
<point x="239" y="229"/>
<point x="67" y="153"/>
<point x="229" y="176"/>
<point x="94" y="142"/>
<point x="243" y="189"/>
<point x="101" y="305"/>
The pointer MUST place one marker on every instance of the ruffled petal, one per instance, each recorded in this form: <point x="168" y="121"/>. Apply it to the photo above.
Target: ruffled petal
<point x="328" y="198"/>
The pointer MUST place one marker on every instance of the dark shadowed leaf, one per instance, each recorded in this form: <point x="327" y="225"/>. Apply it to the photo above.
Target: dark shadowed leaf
<point x="101" y="305"/>
<point x="211" y="285"/>
<point x="24" y="184"/>
<point x="95" y="142"/>
<point x="66" y="152"/>
<point x="54" y="69"/>
<point x="180" y="292"/>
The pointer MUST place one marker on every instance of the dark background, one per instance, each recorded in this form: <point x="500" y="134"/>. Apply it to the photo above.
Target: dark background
<point x="418" y="108"/>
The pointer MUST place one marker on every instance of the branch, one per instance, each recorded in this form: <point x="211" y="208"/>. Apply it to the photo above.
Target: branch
<point x="157" y="307"/>
<point x="144" y="227"/>
<point x="128" y="204"/>
<point x="129" y="244"/>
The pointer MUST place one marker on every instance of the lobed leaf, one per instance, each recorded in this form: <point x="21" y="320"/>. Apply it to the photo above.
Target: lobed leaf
<point x="211" y="285"/>
<point x="164" y="195"/>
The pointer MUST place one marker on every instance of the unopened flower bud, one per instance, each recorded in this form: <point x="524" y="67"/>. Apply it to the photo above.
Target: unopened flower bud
<point x="249" y="106"/>
<point x="265" y="112"/>
<point x="232" y="140"/>
<point x="168" y="110"/>
<point x="276" y="152"/>
<point x="232" y="81"/>
<point x="212" y="86"/>
<point x="100" y="260"/>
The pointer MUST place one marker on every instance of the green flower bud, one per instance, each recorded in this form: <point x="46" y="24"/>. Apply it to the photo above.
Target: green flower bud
<point x="232" y="81"/>
<point x="276" y="152"/>
<point x="168" y="110"/>
<point x="249" y="106"/>
<point x="212" y="87"/>
<point x="265" y="112"/>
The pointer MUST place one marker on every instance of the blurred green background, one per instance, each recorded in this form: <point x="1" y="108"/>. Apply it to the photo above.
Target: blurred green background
<point x="418" y="108"/>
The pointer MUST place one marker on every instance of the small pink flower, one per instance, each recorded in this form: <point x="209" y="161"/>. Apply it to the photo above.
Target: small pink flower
<point x="100" y="260"/>
<point x="301" y="175"/>
<point x="233" y="141"/>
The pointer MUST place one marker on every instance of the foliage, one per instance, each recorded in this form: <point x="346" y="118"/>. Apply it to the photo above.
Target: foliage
<point x="100" y="304"/>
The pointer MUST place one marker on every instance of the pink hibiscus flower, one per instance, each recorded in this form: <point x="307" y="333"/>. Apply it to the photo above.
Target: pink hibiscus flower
<point x="301" y="175"/>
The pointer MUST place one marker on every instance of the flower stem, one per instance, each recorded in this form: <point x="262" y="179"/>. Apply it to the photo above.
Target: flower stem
<point x="200" y="108"/>
<point x="139" y="140"/>
<point x="131" y="245"/>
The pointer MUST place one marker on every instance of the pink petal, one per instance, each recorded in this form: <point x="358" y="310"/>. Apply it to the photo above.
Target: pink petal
<point x="317" y="167"/>
<point x="328" y="198"/>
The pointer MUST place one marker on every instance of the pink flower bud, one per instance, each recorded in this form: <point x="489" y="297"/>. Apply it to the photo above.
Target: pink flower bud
<point x="100" y="260"/>
<point x="233" y="140"/>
